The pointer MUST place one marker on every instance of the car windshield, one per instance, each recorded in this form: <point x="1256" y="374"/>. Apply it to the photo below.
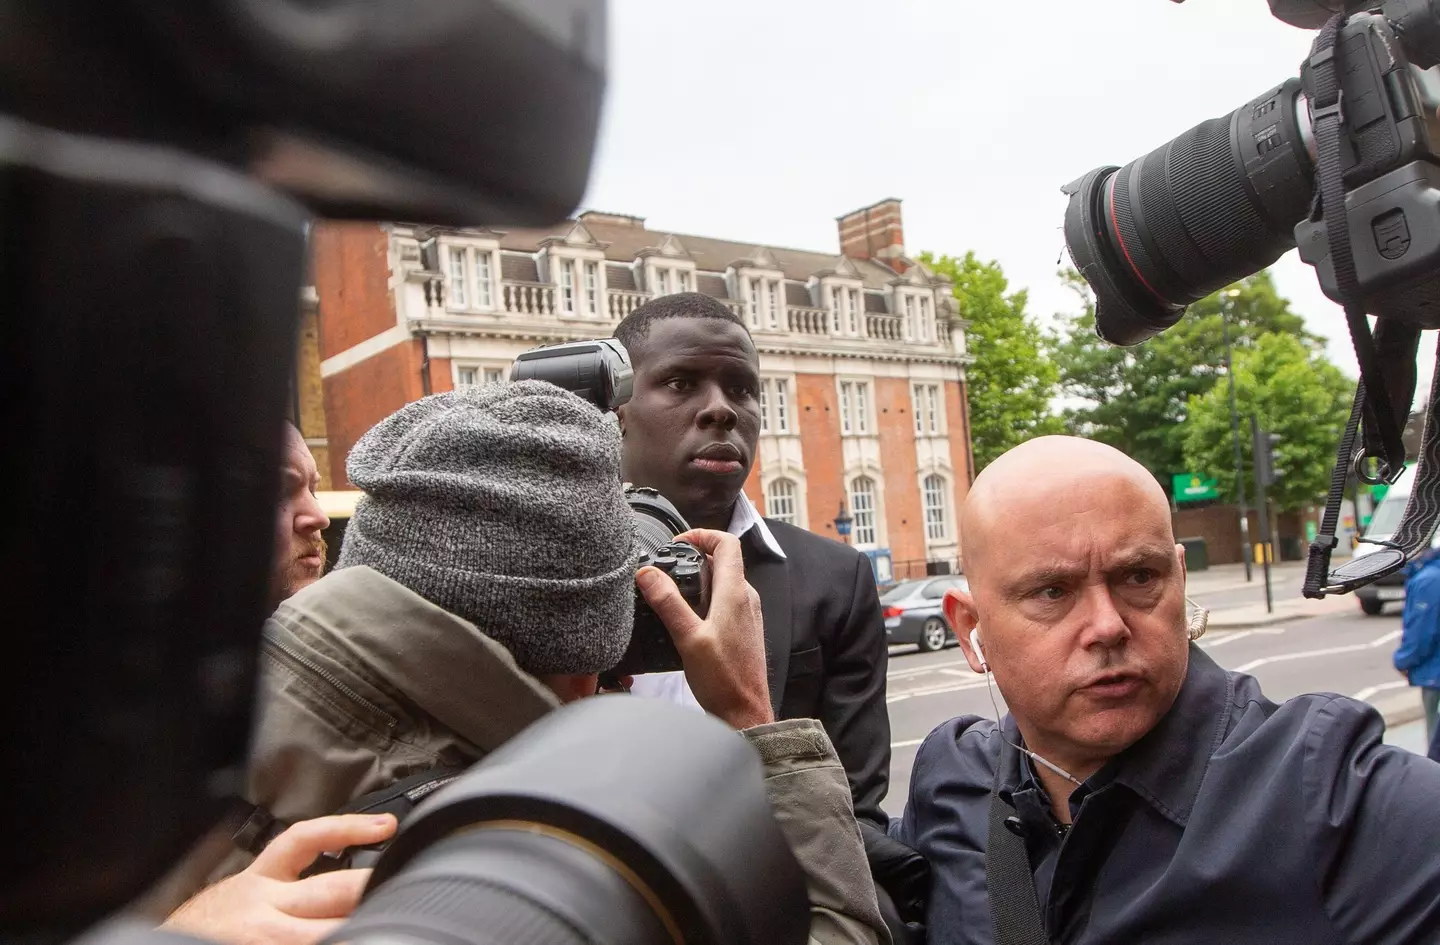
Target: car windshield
<point x="900" y="591"/>
<point x="1387" y="515"/>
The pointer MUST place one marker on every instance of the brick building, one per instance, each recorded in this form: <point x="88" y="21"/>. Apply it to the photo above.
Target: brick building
<point x="862" y="354"/>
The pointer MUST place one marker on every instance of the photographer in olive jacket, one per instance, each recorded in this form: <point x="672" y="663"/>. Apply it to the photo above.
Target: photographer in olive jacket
<point x="486" y="577"/>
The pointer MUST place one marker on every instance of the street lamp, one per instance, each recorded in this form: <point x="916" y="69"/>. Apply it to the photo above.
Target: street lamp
<point x="843" y="521"/>
<point x="1235" y="430"/>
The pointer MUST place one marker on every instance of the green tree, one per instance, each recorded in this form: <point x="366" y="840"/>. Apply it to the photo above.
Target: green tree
<point x="1137" y="399"/>
<point x="1012" y="381"/>
<point x="1296" y="393"/>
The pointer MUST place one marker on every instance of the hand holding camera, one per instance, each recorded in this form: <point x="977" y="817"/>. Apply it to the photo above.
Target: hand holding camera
<point x="723" y="652"/>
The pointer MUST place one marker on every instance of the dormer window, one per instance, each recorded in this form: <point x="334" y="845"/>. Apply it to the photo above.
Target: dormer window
<point x="908" y="322"/>
<point x="846" y="311"/>
<point x="665" y="280"/>
<point x="574" y="264"/>
<point x="567" y="287"/>
<point x="470" y="278"/>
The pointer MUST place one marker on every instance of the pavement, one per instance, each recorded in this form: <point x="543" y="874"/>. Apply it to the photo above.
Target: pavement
<point x="1237" y="604"/>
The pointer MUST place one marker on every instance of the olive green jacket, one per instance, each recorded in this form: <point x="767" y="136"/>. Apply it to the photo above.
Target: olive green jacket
<point x="365" y="683"/>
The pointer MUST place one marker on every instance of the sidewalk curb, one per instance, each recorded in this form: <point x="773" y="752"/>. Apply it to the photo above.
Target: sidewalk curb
<point x="1288" y="611"/>
<point x="1400" y="709"/>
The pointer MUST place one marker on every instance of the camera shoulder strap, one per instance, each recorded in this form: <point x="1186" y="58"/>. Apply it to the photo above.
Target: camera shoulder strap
<point x="1010" y="884"/>
<point x="1374" y="406"/>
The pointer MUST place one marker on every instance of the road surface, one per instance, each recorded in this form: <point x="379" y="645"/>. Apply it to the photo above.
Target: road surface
<point x="1346" y="653"/>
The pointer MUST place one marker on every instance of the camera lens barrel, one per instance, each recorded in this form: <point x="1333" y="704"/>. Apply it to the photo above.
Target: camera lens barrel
<point x="1215" y="204"/>
<point x="629" y="820"/>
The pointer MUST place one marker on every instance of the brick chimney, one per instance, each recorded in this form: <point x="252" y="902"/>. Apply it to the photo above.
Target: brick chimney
<point x="875" y="232"/>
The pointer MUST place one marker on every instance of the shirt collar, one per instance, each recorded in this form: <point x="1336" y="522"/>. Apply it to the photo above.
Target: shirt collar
<point x="745" y="518"/>
<point x="1167" y="765"/>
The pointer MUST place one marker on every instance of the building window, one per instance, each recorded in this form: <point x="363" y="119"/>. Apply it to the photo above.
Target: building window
<point x="474" y="376"/>
<point x="592" y="289"/>
<point x="855" y="311"/>
<point x="854" y="407"/>
<point x="775" y="405"/>
<point x="780" y="501"/>
<point x="682" y="278"/>
<point x="928" y="420"/>
<point x="754" y="302"/>
<point x="837" y="309"/>
<point x="862" y="510"/>
<point x="908" y="324"/>
<point x="774" y="311"/>
<point x="662" y="282"/>
<point x="926" y="334"/>
<point x="567" y="287"/>
<point x="459" y="298"/>
<point x="933" y="493"/>
<point x="484" y="288"/>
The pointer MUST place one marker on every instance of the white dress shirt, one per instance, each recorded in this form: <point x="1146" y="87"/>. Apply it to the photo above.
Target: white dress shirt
<point x="672" y="687"/>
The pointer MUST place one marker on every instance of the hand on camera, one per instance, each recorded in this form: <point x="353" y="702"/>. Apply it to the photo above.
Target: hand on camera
<point x="269" y="904"/>
<point x="724" y="653"/>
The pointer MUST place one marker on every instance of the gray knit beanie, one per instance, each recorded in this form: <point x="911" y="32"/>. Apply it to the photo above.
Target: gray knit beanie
<point x="503" y="505"/>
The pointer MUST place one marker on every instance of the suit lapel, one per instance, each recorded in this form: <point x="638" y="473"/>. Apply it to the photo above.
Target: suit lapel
<point x="770" y="576"/>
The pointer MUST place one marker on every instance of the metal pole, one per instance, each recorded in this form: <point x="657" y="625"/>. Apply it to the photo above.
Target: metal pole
<point x="1262" y="503"/>
<point x="1235" y="436"/>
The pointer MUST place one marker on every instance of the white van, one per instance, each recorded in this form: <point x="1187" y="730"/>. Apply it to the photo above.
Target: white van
<point x="1391" y="588"/>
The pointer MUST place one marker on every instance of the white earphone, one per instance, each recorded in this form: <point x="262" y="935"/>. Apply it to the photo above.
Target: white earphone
<point x="975" y="645"/>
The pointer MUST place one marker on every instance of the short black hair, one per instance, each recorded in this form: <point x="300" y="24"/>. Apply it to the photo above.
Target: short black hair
<point x="636" y="326"/>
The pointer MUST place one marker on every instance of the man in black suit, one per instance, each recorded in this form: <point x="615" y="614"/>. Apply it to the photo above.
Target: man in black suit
<point x="691" y="431"/>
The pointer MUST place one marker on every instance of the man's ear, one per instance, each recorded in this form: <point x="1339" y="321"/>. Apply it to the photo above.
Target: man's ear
<point x="1180" y="553"/>
<point x="959" y="609"/>
<point x="620" y="415"/>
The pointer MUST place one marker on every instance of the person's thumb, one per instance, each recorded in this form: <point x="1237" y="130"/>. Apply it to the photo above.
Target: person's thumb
<point x="665" y="599"/>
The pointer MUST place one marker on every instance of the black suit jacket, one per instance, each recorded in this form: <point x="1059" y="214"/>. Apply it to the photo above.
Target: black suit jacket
<point x="825" y="640"/>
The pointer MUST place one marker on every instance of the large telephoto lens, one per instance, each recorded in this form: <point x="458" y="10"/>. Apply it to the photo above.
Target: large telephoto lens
<point x="612" y="821"/>
<point x="1217" y="203"/>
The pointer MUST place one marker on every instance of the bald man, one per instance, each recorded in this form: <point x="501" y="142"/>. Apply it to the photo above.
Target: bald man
<point x="1143" y="793"/>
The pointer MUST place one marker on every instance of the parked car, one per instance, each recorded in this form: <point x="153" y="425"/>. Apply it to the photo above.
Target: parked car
<point x="912" y="612"/>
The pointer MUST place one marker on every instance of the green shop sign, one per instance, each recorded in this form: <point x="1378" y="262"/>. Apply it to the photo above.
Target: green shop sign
<point x="1192" y="487"/>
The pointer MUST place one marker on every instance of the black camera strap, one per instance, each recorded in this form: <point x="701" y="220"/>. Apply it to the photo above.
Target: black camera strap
<point x="1373" y="406"/>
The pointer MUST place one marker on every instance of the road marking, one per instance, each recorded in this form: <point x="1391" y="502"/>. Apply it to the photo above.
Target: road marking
<point x="934" y="691"/>
<point x="922" y="670"/>
<point x="1227" y="638"/>
<point x="907" y="743"/>
<point x="1328" y="651"/>
<point x="962" y="673"/>
<point x="1364" y="694"/>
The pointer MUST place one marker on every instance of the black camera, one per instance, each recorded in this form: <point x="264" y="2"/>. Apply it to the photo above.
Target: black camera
<point x="1226" y="198"/>
<point x="657" y="522"/>
<point x="600" y="372"/>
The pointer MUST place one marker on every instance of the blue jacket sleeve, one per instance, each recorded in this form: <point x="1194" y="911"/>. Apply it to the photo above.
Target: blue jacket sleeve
<point x="1420" y="622"/>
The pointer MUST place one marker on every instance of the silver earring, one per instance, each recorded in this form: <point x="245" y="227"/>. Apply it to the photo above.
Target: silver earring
<point x="1199" y="620"/>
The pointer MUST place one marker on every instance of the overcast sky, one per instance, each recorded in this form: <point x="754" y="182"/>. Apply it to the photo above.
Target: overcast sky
<point x="764" y="121"/>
